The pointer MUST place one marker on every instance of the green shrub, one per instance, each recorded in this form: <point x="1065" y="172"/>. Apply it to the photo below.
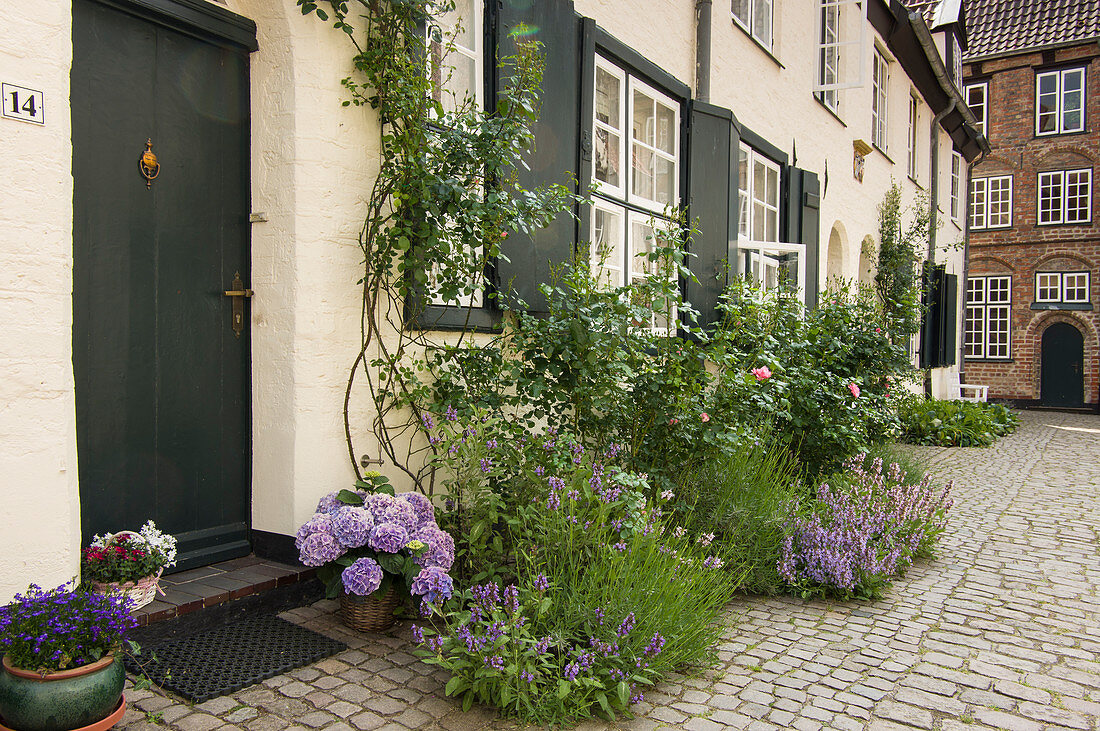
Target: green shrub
<point x="582" y="596"/>
<point x="743" y="497"/>
<point x="955" y="423"/>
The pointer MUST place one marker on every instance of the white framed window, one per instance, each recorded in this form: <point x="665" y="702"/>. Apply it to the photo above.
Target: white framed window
<point x="763" y="259"/>
<point x="914" y="118"/>
<point x="977" y="96"/>
<point x="956" y="62"/>
<point x="956" y="184"/>
<point x="988" y="317"/>
<point x="455" y="67"/>
<point x="991" y="202"/>
<point x="1062" y="287"/>
<point x="829" y="49"/>
<point x="755" y="16"/>
<point x="1060" y="101"/>
<point x="841" y="57"/>
<point x="880" y="81"/>
<point x="1065" y="196"/>
<point x="636" y="171"/>
<point x="455" y="61"/>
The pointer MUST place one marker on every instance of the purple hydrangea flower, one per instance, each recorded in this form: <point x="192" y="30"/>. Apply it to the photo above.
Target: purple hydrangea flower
<point x="351" y="526"/>
<point x="329" y="503"/>
<point x="422" y="506"/>
<point x="319" y="523"/>
<point x="433" y="584"/>
<point x="441" y="547"/>
<point x="388" y="509"/>
<point x="388" y="537"/>
<point x="363" y="577"/>
<point x="318" y="549"/>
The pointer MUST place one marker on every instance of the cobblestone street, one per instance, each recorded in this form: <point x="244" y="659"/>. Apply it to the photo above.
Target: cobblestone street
<point x="1000" y="631"/>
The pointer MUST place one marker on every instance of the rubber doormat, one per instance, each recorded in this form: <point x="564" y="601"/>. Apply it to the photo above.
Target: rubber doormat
<point x="231" y="657"/>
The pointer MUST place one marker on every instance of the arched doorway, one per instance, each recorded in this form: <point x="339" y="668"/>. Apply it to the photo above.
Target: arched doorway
<point x="1062" y="374"/>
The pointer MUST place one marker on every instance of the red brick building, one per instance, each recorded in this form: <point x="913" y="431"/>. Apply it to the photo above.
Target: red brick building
<point x="1032" y="322"/>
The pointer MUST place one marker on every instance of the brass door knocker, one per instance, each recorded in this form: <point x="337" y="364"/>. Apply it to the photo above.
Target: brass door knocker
<point x="148" y="164"/>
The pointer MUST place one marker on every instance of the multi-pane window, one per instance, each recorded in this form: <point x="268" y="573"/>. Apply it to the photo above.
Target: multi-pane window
<point x="914" y="112"/>
<point x="636" y="165"/>
<point x="991" y="202"/>
<point x="755" y="16"/>
<point x="829" y="61"/>
<point x="1060" y="101"/>
<point x="988" y="311"/>
<point x="956" y="184"/>
<point x="455" y="67"/>
<point x="956" y="62"/>
<point x="1065" y="196"/>
<point x="880" y="81"/>
<point x="763" y="259"/>
<point x="977" y="100"/>
<point x="1062" y="287"/>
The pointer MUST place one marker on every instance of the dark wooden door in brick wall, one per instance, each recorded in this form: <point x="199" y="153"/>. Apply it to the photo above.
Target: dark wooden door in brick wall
<point x="1063" y="366"/>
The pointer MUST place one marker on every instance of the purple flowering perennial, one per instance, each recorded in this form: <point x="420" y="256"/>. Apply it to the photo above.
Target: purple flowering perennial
<point x="362" y="578"/>
<point x="388" y="509"/>
<point x="317" y="549"/>
<point x="441" y="547"/>
<point x="388" y="537"/>
<point x="319" y="523"/>
<point x="422" y="506"/>
<point x="351" y="527"/>
<point x="433" y="584"/>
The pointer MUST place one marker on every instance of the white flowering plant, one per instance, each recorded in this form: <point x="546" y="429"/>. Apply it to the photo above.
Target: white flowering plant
<point x="128" y="556"/>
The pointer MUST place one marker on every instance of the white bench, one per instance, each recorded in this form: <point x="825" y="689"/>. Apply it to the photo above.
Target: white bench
<point x="955" y="390"/>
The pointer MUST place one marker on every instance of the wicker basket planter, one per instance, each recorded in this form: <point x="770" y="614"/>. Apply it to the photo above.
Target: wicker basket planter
<point x="368" y="614"/>
<point x="140" y="593"/>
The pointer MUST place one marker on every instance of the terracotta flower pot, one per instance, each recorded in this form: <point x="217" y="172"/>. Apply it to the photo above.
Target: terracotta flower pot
<point x="86" y="697"/>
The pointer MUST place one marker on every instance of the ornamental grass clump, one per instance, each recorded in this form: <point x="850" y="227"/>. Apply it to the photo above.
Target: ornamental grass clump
<point x="362" y="541"/>
<point x="857" y="534"/>
<point x="62" y="628"/>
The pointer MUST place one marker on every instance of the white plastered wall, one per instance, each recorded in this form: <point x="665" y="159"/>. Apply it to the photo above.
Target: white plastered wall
<point x="40" y="505"/>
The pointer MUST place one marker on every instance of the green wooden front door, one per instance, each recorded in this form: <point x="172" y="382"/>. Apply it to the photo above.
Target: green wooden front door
<point x="162" y="380"/>
<point x="1062" y="366"/>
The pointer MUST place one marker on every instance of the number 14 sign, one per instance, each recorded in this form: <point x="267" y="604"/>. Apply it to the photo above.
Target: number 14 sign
<point x="23" y="104"/>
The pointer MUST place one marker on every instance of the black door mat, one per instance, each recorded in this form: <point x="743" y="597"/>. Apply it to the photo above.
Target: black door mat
<point x="231" y="657"/>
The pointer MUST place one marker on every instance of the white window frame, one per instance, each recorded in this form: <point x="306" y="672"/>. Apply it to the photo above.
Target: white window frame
<point x="956" y="185"/>
<point x="981" y="213"/>
<point x="844" y="43"/>
<point x="829" y="50"/>
<point x="758" y="260"/>
<point x="913" y="146"/>
<point x="956" y="62"/>
<point x="750" y="24"/>
<point x="636" y="85"/>
<point x="982" y="310"/>
<point x="1059" y="110"/>
<point x="475" y="299"/>
<point x="981" y="88"/>
<point x="880" y="100"/>
<point x="1054" y="210"/>
<point x="1054" y="287"/>
<point x="622" y="202"/>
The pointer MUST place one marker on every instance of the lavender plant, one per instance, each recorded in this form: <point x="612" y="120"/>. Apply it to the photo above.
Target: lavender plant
<point x="62" y="628"/>
<point x="853" y="537"/>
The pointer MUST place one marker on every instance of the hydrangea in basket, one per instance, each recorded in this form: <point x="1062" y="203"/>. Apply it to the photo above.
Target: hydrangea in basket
<point x="59" y="667"/>
<point x="129" y="563"/>
<point x="370" y="546"/>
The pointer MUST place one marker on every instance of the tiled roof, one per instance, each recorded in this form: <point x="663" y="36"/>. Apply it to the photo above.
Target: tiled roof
<point x="996" y="27"/>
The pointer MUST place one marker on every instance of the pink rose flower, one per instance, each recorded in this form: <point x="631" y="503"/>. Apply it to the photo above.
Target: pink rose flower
<point x="673" y="422"/>
<point x="854" y="389"/>
<point x="705" y="417"/>
<point x="762" y="373"/>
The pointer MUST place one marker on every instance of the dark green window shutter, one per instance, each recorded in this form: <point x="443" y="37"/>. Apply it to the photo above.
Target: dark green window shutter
<point x="804" y="222"/>
<point x="712" y="206"/>
<point x="939" y="301"/>
<point x="949" y="306"/>
<point x="557" y="140"/>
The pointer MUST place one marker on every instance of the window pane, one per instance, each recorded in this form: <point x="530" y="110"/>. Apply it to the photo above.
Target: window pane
<point x="1048" y="287"/>
<point x="607" y="99"/>
<point x="977" y="203"/>
<point x="607" y="246"/>
<point x="975" y="332"/>
<point x="644" y="118"/>
<point x="1048" y="102"/>
<point x="455" y="80"/>
<point x="742" y="10"/>
<point x="1076" y="287"/>
<point x="997" y="332"/>
<point x="762" y="21"/>
<point x="606" y="164"/>
<point x="643" y="182"/>
<point x="758" y="221"/>
<point x="975" y="290"/>
<point x="743" y="190"/>
<point x="666" y="129"/>
<point x="1000" y="201"/>
<point x="462" y="17"/>
<point x="641" y="242"/>
<point x="1072" y="82"/>
<point x="997" y="289"/>
<point x="666" y="181"/>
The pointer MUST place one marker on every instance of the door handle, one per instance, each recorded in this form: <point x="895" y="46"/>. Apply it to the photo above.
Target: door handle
<point x="239" y="294"/>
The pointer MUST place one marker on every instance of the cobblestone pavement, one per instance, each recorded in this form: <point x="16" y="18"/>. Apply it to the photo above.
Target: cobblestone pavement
<point x="1001" y="631"/>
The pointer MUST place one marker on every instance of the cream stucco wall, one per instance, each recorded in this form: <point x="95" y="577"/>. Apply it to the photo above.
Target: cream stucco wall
<point x="40" y="506"/>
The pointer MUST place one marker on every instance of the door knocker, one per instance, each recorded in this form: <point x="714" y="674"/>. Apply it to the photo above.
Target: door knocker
<point x="150" y="168"/>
